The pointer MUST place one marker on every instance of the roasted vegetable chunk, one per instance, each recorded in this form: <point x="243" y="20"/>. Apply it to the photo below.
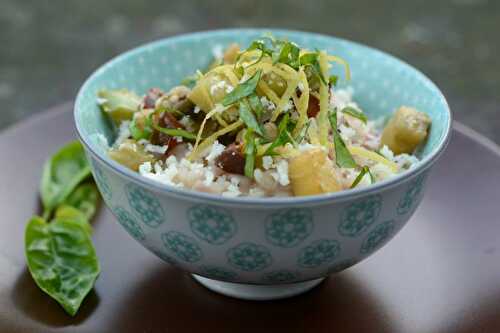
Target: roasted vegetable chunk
<point x="407" y="128"/>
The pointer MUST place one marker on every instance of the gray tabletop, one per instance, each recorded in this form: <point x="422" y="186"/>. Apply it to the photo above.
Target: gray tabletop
<point x="49" y="47"/>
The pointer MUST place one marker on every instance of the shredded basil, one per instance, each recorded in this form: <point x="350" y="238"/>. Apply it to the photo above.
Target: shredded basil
<point x="248" y="117"/>
<point x="311" y="60"/>
<point x="333" y="80"/>
<point x="343" y="157"/>
<point x="250" y="152"/>
<point x="243" y="90"/>
<point x="282" y="138"/>
<point x="355" y="113"/>
<point x="138" y="133"/>
<point x="175" y="132"/>
<point x="288" y="54"/>
<point x="300" y="137"/>
<point x="360" y="176"/>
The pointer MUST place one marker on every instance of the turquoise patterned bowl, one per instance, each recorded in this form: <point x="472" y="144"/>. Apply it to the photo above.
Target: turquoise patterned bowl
<point x="253" y="247"/>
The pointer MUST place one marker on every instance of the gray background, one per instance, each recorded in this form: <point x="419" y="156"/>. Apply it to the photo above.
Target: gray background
<point x="48" y="48"/>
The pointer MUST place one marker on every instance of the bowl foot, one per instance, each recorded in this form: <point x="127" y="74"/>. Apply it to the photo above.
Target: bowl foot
<point x="257" y="292"/>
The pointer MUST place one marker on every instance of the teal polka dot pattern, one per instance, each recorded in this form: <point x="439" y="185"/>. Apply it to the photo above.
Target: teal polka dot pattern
<point x="289" y="227"/>
<point x="377" y="237"/>
<point x="411" y="195"/>
<point x="102" y="181"/>
<point x="211" y="224"/>
<point x="183" y="246"/>
<point x="281" y="276"/>
<point x="249" y="257"/>
<point x="218" y="273"/>
<point x="318" y="253"/>
<point x="358" y="216"/>
<point x="341" y="265"/>
<point x="128" y="221"/>
<point x="145" y="205"/>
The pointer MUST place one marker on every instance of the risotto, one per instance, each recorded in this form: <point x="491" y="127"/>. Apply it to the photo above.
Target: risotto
<point x="267" y="120"/>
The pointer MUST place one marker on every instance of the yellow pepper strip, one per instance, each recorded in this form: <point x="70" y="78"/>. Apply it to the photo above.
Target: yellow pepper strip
<point x="211" y="139"/>
<point x="324" y="96"/>
<point x="344" y="63"/>
<point x="362" y="152"/>
<point x="301" y="103"/>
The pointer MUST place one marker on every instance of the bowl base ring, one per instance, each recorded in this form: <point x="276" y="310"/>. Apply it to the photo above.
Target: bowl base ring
<point x="255" y="292"/>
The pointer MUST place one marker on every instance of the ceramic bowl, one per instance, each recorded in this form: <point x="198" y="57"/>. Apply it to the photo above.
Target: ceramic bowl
<point x="260" y="248"/>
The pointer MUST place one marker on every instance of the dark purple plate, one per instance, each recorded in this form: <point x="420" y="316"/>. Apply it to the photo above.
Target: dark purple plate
<point x="440" y="274"/>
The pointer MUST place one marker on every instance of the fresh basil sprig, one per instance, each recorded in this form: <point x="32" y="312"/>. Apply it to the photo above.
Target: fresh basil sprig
<point x="60" y="255"/>
<point x="256" y="105"/>
<point x="343" y="157"/>
<point x="243" y="90"/>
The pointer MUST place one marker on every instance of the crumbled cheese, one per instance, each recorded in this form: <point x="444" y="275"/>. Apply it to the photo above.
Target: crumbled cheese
<point x="288" y="106"/>
<point x="145" y="167"/>
<point x="187" y="123"/>
<point x="387" y="152"/>
<point x="209" y="178"/>
<point x="381" y="171"/>
<point x="221" y="85"/>
<point x="215" y="151"/>
<point x="282" y="168"/>
<point x="301" y="87"/>
<point x="123" y="132"/>
<point x="347" y="133"/>
<point x="267" y="104"/>
<point x="267" y="162"/>
<point x="196" y="109"/>
<point x="149" y="147"/>
<point x="405" y="161"/>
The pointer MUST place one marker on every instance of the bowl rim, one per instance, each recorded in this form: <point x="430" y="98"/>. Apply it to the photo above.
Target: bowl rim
<point x="210" y="198"/>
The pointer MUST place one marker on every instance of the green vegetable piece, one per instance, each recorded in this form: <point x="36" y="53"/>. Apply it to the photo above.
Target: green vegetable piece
<point x="355" y="113"/>
<point x="61" y="260"/>
<point x="65" y="212"/>
<point x="84" y="198"/>
<point x="250" y="152"/>
<point x="300" y="137"/>
<point x="137" y="132"/>
<point x="248" y="117"/>
<point x="282" y="138"/>
<point x="360" y="176"/>
<point x="243" y="90"/>
<point x="119" y="104"/>
<point x="256" y="105"/>
<point x="343" y="157"/>
<point x="289" y="54"/>
<point x="333" y="80"/>
<point x="311" y="60"/>
<point x="61" y="175"/>
<point x="175" y="132"/>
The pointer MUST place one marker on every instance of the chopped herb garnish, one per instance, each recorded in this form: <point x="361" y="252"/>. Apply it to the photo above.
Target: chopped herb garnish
<point x="311" y="60"/>
<point x="343" y="157"/>
<point x="243" y="90"/>
<point x="256" y="105"/>
<point x="250" y="152"/>
<point x="288" y="54"/>
<point x="353" y="112"/>
<point x="360" y="176"/>
<point x="282" y="138"/>
<point x="333" y="80"/>
<point x="175" y="132"/>
<point x="247" y="116"/>
<point x="141" y="133"/>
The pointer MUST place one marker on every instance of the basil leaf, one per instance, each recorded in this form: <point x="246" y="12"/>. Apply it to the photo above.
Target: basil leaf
<point x="343" y="157"/>
<point x="61" y="175"/>
<point x="300" y="137"/>
<point x="119" y="104"/>
<point x="289" y="55"/>
<point x="65" y="212"/>
<point x="61" y="260"/>
<point x="249" y="153"/>
<point x="84" y="198"/>
<point x="360" y="176"/>
<point x="248" y="117"/>
<point x="256" y="105"/>
<point x="282" y="138"/>
<point x="312" y="60"/>
<point x="242" y="90"/>
<point x="355" y="113"/>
